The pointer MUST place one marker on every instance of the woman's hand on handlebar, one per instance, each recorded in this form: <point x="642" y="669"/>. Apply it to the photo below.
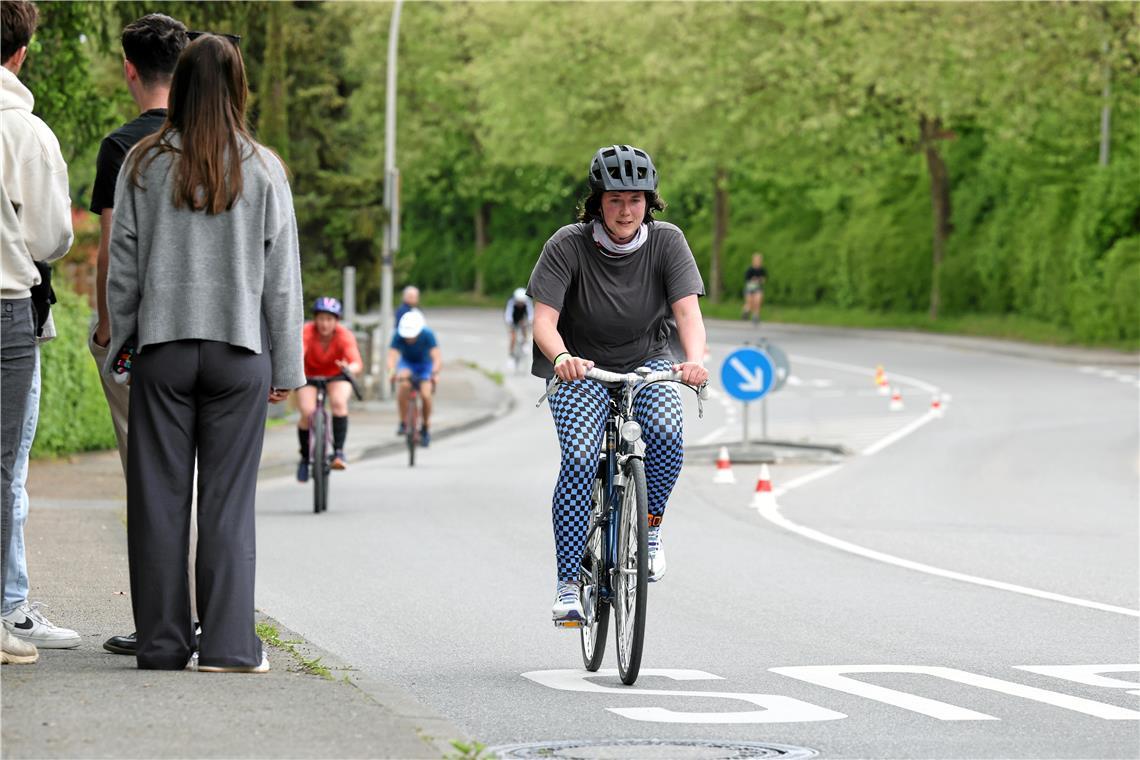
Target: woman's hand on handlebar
<point x="573" y="368"/>
<point x="692" y="373"/>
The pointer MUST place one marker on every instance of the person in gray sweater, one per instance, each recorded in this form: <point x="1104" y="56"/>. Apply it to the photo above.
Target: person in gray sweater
<point x="204" y="284"/>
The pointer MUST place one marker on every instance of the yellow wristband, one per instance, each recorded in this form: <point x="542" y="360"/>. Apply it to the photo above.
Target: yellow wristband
<point x="561" y="358"/>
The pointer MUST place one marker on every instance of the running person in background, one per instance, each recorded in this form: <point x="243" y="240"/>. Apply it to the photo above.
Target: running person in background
<point x="609" y="291"/>
<point x="414" y="356"/>
<point x="519" y="313"/>
<point x="330" y="349"/>
<point x="754" y="278"/>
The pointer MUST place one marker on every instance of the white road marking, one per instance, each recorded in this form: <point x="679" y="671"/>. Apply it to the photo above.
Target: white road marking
<point x="772" y="514"/>
<point x="895" y="377"/>
<point x="776" y="708"/>
<point x="1089" y="675"/>
<point x="1087" y="370"/>
<point x="821" y="383"/>
<point x="712" y="436"/>
<point x="901" y="433"/>
<point x="832" y="677"/>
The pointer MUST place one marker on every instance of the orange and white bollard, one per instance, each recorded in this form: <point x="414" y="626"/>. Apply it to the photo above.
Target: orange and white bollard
<point x="896" y="400"/>
<point x="764" y="498"/>
<point x="724" y="474"/>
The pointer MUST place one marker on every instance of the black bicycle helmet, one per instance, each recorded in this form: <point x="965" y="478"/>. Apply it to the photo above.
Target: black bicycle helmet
<point x="622" y="167"/>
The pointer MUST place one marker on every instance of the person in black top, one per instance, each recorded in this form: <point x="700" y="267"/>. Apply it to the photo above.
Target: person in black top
<point x="754" y="279"/>
<point x="151" y="46"/>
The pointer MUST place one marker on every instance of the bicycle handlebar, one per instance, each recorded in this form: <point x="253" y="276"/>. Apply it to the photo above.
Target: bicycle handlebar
<point x="634" y="379"/>
<point x="344" y="373"/>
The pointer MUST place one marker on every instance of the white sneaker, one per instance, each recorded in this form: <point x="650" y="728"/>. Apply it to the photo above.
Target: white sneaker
<point x="262" y="668"/>
<point x="16" y="652"/>
<point x="27" y="623"/>
<point x="656" y="555"/>
<point x="567" y="609"/>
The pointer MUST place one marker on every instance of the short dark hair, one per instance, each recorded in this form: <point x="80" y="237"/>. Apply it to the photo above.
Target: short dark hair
<point x="590" y="207"/>
<point x="153" y="44"/>
<point x="19" y="19"/>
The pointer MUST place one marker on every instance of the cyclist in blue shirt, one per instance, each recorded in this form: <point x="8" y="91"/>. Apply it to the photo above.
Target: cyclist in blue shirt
<point x="414" y="356"/>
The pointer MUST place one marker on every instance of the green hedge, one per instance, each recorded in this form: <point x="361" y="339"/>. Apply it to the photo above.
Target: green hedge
<point x="73" y="411"/>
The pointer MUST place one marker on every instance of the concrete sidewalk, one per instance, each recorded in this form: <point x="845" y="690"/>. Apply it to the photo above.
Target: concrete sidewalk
<point x="87" y="702"/>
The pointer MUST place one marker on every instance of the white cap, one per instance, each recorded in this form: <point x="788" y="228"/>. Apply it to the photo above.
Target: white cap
<point x="411" y="324"/>
<point x="520" y="294"/>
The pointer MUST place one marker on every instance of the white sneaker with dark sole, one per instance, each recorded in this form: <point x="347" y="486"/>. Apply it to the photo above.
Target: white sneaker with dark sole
<point x="27" y="623"/>
<point x="16" y="652"/>
<point x="656" y="555"/>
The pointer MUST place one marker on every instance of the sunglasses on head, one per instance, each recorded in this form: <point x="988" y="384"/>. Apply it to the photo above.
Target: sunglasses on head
<point x="234" y="38"/>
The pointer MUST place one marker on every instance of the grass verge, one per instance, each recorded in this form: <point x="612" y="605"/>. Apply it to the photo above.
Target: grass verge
<point x="272" y="637"/>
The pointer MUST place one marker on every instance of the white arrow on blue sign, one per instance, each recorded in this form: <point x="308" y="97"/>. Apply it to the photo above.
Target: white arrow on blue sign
<point x="747" y="374"/>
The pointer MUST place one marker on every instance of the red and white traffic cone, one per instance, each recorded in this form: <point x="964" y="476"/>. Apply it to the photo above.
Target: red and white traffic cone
<point x="936" y="406"/>
<point x="881" y="381"/>
<point x="724" y="468"/>
<point x="896" y="400"/>
<point x="764" y="498"/>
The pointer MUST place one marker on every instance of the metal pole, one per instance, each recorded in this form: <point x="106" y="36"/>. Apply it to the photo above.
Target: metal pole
<point x="744" y="434"/>
<point x="391" y="227"/>
<point x="764" y="418"/>
<point x="350" y="297"/>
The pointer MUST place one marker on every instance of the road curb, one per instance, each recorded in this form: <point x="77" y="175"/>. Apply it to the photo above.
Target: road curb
<point x="433" y="729"/>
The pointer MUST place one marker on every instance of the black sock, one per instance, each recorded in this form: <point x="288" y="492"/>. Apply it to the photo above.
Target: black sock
<point x="340" y="432"/>
<point x="303" y="437"/>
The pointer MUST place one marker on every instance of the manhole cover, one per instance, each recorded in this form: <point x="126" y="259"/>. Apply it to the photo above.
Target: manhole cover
<point x="650" y="749"/>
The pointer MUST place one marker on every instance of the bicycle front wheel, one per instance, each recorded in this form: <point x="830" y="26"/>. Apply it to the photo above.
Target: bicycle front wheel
<point x="631" y="576"/>
<point x="318" y="462"/>
<point x="413" y="432"/>
<point x="597" y="609"/>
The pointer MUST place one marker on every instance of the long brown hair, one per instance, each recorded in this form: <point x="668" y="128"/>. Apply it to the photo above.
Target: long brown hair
<point x="207" y="111"/>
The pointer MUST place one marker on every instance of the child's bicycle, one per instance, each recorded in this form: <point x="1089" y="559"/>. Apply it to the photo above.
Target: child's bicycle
<point x="321" y="437"/>
<point x="615" y="564"/>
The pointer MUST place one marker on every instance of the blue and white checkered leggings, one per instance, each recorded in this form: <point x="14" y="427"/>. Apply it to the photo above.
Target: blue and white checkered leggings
<point x="579" y="411"/>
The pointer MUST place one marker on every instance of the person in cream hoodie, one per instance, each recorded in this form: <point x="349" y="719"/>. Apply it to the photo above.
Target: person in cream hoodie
<point x="35" y="225"/>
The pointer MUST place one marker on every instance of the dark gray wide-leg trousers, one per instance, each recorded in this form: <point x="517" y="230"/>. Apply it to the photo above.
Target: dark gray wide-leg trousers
<point x="208" y="400"/>
<point x="17" y="365"/>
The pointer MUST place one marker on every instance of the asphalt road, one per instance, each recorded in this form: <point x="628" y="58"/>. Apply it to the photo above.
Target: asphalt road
<point x="961" y="587"/>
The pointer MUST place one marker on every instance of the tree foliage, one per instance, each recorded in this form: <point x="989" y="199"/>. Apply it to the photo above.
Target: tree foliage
<point x="888" y="156"/>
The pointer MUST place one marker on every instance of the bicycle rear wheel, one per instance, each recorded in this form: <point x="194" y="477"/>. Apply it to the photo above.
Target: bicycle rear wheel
<point x="318" y="462"/>
<point x="411" y="422"/>
<point x="597" y="609"/>
<point x="631" y="576"/>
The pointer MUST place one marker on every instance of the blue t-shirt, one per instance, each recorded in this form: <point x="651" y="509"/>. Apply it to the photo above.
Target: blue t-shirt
<point x="419" y="350"/>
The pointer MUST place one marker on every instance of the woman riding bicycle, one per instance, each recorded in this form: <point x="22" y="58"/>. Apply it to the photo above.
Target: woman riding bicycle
<point x="610" y="290"/>
<point x="330" y="350"/>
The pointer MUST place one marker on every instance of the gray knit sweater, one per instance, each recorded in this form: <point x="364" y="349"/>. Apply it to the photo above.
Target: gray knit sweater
<point x="177" y="274"/>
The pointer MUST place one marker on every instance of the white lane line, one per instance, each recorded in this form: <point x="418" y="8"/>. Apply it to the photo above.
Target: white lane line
<point x="892" y="376"/>
<point x="712" y="436"/>
<point x="772" y="514"/>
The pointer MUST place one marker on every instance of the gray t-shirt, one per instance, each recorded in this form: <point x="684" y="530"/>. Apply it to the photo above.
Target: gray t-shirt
<point x="614" y="310"/>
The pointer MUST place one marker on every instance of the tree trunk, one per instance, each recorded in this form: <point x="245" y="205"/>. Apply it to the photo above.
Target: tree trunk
<point x="932" y="132"/>
<point x="720" y="231"/>
<point x="273" y="116"/>
<point x="482" y="219"/>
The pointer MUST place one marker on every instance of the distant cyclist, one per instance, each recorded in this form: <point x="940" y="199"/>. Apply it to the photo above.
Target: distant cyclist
<point x="519" y="314"/>
<point x="330" y="348"/>
<point x="610" y="290"/>
<point x="414" y="356"/>
<point x="754" y="278"/>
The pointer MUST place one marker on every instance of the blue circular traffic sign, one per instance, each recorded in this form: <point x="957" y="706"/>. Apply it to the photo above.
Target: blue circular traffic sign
<point x="747" y="374"/>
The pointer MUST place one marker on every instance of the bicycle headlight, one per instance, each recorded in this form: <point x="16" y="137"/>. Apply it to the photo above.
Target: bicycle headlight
<point x="630" y="431"/>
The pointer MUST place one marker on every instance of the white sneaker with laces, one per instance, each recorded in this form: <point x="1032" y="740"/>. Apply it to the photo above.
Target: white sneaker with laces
<point x="261" y="668"/>
<point x="656" y="555"/>
<point x="27" y="623"/>
<point x="16" y="652"/>
<point x="567" y="604"/>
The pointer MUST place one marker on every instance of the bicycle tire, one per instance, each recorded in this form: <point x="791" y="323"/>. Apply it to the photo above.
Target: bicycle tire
<point x="317" y="461"/>
<point x="412" y="435"/>
<point x="631" y="576"/>
<point x="593" y="630"/>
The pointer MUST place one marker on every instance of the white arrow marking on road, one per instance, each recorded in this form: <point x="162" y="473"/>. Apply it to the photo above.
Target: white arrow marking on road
<point x="832" y="677"/>
<point x="751" y="382"/>
<point x="1089" y="675"/>
<point x="777" y="708"/>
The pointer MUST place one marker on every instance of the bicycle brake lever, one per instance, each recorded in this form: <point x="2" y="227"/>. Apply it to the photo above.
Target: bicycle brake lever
<point x="549" y="389"/>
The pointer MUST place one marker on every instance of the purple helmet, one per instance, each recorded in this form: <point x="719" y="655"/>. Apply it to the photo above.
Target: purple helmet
<point x="329" y="305"/>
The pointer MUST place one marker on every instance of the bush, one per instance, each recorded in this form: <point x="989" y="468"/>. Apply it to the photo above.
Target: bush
<point x="73" y="411"/>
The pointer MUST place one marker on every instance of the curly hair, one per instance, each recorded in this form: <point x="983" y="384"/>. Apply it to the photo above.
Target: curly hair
<point x="590" y="207"/>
